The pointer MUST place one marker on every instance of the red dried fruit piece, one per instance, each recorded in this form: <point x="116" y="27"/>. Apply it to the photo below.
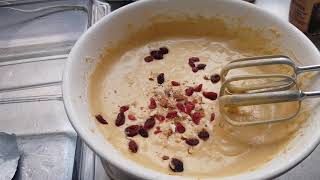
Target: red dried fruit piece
<point x="192" y="141"/>
<point x="157" y="55"/>
<point x="194" y="59"/>
<point x="160" y="78"/>
<point x="210" y="95"/>
<point x="175" y="83"/>
<point x="152" y="103"/>
<point x="144" y="133"/>
<point x="131" y="117"/>
<point x="189" y="91"/>
<point x="149" y="123"/>
<point x="196" y="117"/>
<point x="181" y="107"/>
<point x="160" y="118"/>
<point x="133" y="146"/>
<point x="101" y="119"/>
<point x="203" y="134"/>
<point x="189" y="106"/>
<point x="198" y="88"/>
<point x="157" y="131"/>
<point x="148" y="59"/>
<point x="176" y="165"/>
<point x="195" y="69"/>
<point x="215" y="78"/>
<point x="120" y="119"/>
<point x="201" y="66"/>
<point x="180" y="128"/>
<point x="124" y="108"/>
<point x="132" y="130"/>
<point x="165" y="157"/>
<point x="172" y="114"/>
<point x="191" y="64"/>
<point x="213" y="115"/>
<point x="164" y="50"/>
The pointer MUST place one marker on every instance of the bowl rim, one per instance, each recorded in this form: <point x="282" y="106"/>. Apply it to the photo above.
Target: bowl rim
<point x="71" y="112"/>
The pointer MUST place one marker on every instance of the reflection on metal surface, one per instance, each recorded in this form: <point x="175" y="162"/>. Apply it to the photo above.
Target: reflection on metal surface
<point x="9" y="155"/>
<point x="99" y="9"/>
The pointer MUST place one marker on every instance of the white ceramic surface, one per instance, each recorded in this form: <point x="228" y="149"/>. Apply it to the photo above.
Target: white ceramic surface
<point x="114" y="26"/>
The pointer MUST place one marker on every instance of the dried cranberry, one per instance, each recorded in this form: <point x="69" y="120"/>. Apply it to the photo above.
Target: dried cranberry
<point x="192" y="141"/>
<point x="157" y="131"/>
<point x="210" y="95"/>
<point x="131" y="117"/>
<point x="160" y="118"/>
<point x="148" y="59"/>
<point x="189" y="91"/>
<point x="175" y="83"/>
<point x="195" y="69"/>
<point x="165" y="157"/>
<point x="176" y="165"/>
<point x="132" y="130"/>
<point x="120" y="119"/>
<point x="189" y="106"/>
<point x="144" y="133"/>
<point x="124" y="108"/>
<point x="213" y="115"/>
<point x="215" y="78"/>
<point x="172" y="114"/>
<point x="181" y="107"/>
<point x="203" y="134"/>
<point x="101" y="119"/>
<point x="133" y="146"/>
<point x="198" y="88"/>
<point x="156" y="55"/>
<point x="191" y="64"/>
<point x="196" y="117"/>
<point x="201" y="66"/>
<point x="180" y="128"/>
<point x="194" y="59"/>
<point x="160" y="78"/>
<point x="152" y="103"/>
<point x="164" y="50"/>
<point x="149" y="123"/>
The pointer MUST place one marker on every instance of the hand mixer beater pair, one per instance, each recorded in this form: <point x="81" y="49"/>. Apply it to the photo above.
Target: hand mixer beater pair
<point x="241" y="91"/>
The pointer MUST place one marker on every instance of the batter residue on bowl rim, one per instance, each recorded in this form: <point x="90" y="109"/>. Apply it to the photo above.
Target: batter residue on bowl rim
<point x="181" y="124"/>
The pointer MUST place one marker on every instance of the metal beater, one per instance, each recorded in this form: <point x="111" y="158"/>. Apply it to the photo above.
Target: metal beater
<point x="273" y="88"/>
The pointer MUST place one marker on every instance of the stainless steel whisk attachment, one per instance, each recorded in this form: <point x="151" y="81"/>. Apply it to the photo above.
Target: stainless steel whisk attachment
<point x="260" y="89"/>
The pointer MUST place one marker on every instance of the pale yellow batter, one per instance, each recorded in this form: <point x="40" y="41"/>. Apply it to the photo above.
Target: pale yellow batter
<point x="123" y="78"/>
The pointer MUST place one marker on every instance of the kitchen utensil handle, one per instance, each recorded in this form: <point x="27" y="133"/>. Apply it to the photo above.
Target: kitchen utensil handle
<point x="303" y="69"/>
<point x="311" y="94"/>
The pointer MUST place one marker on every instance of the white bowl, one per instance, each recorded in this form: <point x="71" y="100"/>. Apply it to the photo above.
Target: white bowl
<point x="114" y="26"/>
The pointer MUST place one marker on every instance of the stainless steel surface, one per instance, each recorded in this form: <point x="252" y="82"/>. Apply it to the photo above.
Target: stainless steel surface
<point x="9" y="155"/>
<point x="269" y="90"/>
<point x="276" y="81"/>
